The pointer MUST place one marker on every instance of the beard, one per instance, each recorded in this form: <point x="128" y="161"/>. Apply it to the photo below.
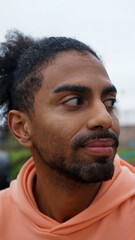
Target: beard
<point x="78" y="169"/>
<point x="77" y="165"/>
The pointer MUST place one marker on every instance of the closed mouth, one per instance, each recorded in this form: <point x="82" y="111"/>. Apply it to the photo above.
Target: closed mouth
<point x="100" y="146"/>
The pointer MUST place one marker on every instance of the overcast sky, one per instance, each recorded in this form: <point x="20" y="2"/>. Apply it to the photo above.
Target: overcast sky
<point x="106" y="25"/>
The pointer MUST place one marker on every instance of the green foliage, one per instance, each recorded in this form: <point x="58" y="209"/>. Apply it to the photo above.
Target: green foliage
<point x="128" y="155"/>
<point x="17" y="159"/>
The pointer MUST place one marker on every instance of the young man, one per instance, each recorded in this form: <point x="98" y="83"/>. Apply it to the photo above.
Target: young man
<point x="60" y="104"/>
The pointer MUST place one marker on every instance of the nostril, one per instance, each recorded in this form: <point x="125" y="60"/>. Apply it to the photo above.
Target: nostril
<point x="97" y="127"/>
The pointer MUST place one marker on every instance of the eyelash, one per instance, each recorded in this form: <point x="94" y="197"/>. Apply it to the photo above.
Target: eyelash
<point x="73" y="98"/>
<point x="80" y="102"/>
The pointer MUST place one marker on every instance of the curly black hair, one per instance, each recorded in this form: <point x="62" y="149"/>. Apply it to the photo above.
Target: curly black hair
<point x="21" y="59"/>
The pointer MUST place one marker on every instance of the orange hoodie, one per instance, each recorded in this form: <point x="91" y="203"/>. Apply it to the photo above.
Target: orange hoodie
<point x="111" y="215"/>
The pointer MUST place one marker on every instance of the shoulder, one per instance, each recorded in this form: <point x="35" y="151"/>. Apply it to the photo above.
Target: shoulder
<point x="5" y="199"/>
<point x="5" y="208"/>
<point x="6" y="203"/>
<point x="128" y="165"/>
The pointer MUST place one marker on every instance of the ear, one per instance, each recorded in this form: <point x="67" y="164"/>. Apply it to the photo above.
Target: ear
<point x="19" y="124"/>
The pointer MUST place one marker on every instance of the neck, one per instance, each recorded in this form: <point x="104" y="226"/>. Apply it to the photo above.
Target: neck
<point x="62" y="199"/>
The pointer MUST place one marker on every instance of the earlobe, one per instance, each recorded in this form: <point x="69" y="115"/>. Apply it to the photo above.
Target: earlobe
<point x="19" y="125"/>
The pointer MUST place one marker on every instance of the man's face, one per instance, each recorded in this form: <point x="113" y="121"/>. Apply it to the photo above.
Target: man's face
<point x="74" y="128"/>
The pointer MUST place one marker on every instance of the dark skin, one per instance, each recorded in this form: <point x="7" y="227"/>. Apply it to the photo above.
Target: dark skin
<point x="75" y="100"/>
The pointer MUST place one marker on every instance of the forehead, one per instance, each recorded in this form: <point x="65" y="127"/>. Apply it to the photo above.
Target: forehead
<point x="73" y="68"/>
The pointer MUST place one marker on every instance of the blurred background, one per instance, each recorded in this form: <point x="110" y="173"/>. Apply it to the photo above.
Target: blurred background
<point x="107" y="26"/>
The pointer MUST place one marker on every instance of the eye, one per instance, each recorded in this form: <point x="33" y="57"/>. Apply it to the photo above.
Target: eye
<point x="73" y="102"/>
<point x="110" y="103"/>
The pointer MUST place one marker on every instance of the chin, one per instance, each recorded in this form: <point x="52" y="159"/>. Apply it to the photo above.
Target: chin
<point x="91" y="173"/>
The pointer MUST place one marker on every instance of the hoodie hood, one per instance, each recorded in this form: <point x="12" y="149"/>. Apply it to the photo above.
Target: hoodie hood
<point x="112" y="193"/>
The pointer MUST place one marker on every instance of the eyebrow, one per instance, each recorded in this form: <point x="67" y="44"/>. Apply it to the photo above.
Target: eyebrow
<point x="82" y="89"/>
<point x="109" y="90"/>
<point x="72" y="88"/>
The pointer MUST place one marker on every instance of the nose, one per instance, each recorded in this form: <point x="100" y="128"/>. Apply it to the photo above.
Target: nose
<point x="99" y="117"/>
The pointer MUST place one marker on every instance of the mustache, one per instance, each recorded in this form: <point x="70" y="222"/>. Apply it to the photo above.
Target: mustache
<point x="81" y="140"/>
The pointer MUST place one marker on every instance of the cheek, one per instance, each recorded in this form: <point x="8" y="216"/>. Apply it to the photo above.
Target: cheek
<point x="116" y="126"/>
<point x="63" y="130"/>
<point x="53" y="132"/>
<point x="63" y="126"/>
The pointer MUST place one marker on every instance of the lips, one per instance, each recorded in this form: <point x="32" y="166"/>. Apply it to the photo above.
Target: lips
<point x="100" y="146"/>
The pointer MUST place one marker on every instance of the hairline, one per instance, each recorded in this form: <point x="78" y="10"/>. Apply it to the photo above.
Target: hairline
<point x="37" y="71"/>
